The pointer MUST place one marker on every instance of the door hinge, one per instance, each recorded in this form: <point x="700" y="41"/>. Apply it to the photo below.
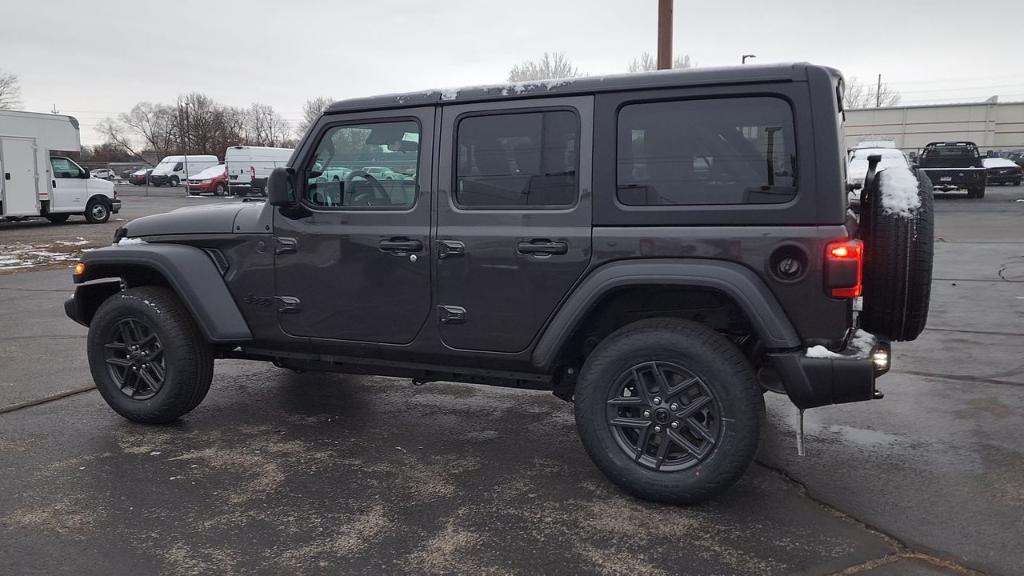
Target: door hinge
<point x="451" y="314"/>
<point x="286" y="246"/>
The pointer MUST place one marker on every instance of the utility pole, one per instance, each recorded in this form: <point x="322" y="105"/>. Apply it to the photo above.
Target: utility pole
<point x="664" y="34"/>
<point x="878" y="93"/>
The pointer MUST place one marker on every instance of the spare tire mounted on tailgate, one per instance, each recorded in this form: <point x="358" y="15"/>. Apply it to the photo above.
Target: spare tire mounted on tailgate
<point x="897" y="226"/>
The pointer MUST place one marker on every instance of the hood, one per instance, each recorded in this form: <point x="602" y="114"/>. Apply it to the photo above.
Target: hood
<point x="212" y="219"/>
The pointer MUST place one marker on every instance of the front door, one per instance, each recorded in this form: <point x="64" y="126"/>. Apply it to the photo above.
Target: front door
<point x="513" y="218"/>
<point x="70" y="184"/>
<point x="353" y="259"/>
<point x="20" y="185"/>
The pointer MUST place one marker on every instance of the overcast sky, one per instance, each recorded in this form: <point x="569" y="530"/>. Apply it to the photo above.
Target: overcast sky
<point x="96" y="59"/>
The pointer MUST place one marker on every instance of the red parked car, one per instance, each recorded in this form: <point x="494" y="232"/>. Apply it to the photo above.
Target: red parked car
<point x="140" y="177"/>
<point x="213" y="180"/>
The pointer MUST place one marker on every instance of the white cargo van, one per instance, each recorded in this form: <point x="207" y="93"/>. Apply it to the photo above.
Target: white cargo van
<point x="250" y="166"/>
<point x="174" y="170"/>
<point x="38" y="180"/>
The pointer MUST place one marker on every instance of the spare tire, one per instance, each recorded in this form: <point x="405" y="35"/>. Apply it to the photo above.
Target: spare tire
<point x="898" y="249"/>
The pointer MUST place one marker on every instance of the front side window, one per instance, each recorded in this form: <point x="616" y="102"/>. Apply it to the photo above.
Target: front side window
<point x="515" y="161"/>
<point x="65" y="168"/>
<point x="365" y="166"/>
<point x="721" y="151"/>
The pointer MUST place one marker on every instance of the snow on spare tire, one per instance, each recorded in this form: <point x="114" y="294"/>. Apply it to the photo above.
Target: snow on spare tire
<point x="897" y="228"/>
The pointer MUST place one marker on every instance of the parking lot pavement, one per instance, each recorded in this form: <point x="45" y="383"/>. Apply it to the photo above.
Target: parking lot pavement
<point x="37" y="244"/>
<point x="279" y="472"/>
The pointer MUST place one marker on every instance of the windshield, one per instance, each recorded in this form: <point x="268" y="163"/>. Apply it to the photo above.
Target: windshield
<point x="164" y="166"/>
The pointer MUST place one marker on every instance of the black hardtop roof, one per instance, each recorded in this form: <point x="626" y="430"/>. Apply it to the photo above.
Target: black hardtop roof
<point x="750" y="74"/>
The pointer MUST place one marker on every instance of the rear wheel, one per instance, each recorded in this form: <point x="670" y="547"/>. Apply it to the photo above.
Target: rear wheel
<point x="976" y="192"/>
<point x="147" y="356"/>
<point x="97" y="211"/>
<point x="57" y="218"/>
<point x="669" y="410"/>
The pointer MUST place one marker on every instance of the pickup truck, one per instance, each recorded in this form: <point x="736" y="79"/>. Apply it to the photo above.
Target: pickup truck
<point x="954" y="166"/>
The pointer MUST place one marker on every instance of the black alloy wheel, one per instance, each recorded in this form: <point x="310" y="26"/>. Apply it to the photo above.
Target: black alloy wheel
<point x="663" y="416"/>
<point x="135" y="359"/>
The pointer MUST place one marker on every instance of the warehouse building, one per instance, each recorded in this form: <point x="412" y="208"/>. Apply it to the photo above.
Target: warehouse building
<point x="993" y="126"/>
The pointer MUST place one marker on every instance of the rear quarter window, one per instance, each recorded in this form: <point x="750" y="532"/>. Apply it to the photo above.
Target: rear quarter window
<point x="706" y="152"/>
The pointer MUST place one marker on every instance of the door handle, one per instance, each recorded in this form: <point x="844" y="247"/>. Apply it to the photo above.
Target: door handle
<point x="7" y="175"/>
<point x="400" y="245"/>
<point x="446" y="248"/>
<point x="540" y="246"/>
<point x="54" y="182"/>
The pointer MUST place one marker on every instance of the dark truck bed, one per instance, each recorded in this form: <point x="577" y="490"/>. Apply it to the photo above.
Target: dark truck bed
<point x="953" y="166"/>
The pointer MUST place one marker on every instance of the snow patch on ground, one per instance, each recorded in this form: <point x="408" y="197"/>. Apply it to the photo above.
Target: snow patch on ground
<point x="862" y="342"/>
<point x="130" y="241"/>
<point x="899" y="189"/>
<point x="22" y="255"/>
<point x="821" y="352"/>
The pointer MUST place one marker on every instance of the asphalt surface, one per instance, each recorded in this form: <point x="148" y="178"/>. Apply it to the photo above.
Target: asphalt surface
<point x="279" y="472"/>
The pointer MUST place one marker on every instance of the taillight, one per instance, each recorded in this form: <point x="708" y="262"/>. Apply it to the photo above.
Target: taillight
<point x="844" y="269"/>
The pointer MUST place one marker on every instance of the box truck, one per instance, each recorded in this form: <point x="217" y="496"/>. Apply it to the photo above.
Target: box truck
<point x="39" y="180"/>
<point x="249" y="166"/>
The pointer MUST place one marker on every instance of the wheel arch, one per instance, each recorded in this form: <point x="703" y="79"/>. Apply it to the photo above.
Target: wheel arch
<point x="187" y="270"/>
<point x="738" y="284"/>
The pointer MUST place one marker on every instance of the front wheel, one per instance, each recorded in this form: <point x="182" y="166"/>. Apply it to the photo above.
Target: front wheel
<point x="97" y="211"/>
<point x="147" y="356"/>
<point x="669" y="410"/>
<point x="219" y="190"/>
<point x="175" y="181"/>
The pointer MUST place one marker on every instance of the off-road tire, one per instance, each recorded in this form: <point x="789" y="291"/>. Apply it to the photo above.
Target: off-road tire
<point x="898" y="252"/>
<point x="188" y="358"/>
<point x="97" y="211"/>
<point x="57" y="218"/>
<point x="722" y="368"/>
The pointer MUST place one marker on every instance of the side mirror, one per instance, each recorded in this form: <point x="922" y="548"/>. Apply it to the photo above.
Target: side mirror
<point x="281" y="187"/>
<point x="85" y="174"/>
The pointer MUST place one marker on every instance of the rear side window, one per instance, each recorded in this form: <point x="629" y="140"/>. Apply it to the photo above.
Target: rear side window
<point x="698" y="152"/>
<point x="516" y="161"/>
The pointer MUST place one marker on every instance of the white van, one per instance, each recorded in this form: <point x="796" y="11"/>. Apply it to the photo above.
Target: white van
<point x="38" y="180"/>
<point x="174" y="170"/>
<point x="250" y="166"/>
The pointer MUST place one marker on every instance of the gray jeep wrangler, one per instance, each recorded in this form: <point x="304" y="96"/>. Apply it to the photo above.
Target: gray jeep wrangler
<point x="659" y="249"/>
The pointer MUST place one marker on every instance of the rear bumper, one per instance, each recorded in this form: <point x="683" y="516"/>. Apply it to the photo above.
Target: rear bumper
<point x="955" y="178"/>
<point x="834" y="377"/>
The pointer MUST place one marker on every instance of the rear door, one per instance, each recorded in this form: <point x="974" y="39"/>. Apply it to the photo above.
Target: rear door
<point x="513" y="217"/>
<point x="20" y="181"/>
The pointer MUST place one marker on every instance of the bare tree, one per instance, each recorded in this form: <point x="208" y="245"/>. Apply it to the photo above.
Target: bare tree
<point x="266" y="126"/>
<point x="10" y="91"/>
<point x="645" y="63"/>
<point x="154" y="125"/>
<point x="551" y="65"/>
<point x="311" y="111"/>
<point x="858" y="95"/>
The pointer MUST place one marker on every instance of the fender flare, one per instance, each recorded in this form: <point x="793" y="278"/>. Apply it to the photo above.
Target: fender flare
<point x="734" y="280"/>
<point x="191" y="273"/>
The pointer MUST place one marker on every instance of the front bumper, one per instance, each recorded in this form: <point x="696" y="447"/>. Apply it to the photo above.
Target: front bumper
<point x="115" y="205"/>
<point x="818" y="379"/>
<point x="159" y="180"/>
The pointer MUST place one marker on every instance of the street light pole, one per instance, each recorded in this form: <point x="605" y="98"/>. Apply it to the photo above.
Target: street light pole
<point x="185" y="140"/>
<point x="743" y="60"/>
<point x="664" y="34"/>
